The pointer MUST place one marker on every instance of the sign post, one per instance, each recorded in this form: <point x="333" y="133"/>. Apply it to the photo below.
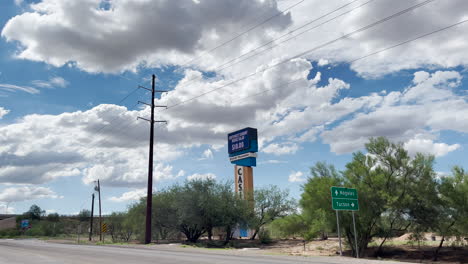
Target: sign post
<point x="345" y="199"/>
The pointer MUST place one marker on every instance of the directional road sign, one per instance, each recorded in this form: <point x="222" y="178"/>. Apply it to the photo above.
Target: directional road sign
<point x="345" y="204"/>
<point x="342" y="192"/>
<point x="344" y="199"/>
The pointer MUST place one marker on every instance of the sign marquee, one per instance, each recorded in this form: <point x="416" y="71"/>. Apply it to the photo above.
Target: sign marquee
<point x="242" y="147"/>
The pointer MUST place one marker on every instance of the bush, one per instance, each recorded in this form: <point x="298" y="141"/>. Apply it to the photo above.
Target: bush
<point x="264" y="236"/>
<point x="10" y="233"/>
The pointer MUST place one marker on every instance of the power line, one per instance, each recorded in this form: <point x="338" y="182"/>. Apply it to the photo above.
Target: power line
<point x="409" y="40"/>
<point x="367" y="55"/>
<point x="224" y="66"/>
<point x="244" y="32"/>
<point x="308" y="51"/>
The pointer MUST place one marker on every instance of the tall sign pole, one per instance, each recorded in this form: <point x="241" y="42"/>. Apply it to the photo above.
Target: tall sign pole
<point x="345" y="199"/>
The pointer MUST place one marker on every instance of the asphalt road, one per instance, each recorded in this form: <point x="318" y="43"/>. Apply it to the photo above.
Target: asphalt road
<point x="36" y="251"/>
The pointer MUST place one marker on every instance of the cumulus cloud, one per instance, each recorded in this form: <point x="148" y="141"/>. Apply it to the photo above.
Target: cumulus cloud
<point x="207" y="154"/>
<point x="101" y="44"/>
<point x="296" y="176"/>
<point x="26" y="193"/>
<point x="73" y="144"/>
<point x="201" y="176"/>
<point x="429" y="147"/>
<point x="134" y="195"/>
<point x="431" y="104"/>
<point x="3" y="112"/>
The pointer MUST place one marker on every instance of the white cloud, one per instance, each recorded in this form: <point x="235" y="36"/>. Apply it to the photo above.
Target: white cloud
<point x="51" y="83"/>
<point x="281" y="149"/>
<point x="429" y="106"/>
<point x="427" y="146"/>
<point x="101" y="43"/>
<point x="323" y="62"/>
<point x="76" y="144"/>
<point x="134" y="195"/>
<point x="3" y="112"/>
<point x="13" y="88"/>
<point x="50" y="211"/>
<point x="198" y="26"/>
<point x="207" y="154"/>
<point x="19" y="2"/>
<point x="272" y="162"/>
<point x="296" y="176"/>
<point x="204" y="176"/>
<point x="26" y="193"/>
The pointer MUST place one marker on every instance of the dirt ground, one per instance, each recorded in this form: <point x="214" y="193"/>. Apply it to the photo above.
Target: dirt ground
<point x="396" y="249"/>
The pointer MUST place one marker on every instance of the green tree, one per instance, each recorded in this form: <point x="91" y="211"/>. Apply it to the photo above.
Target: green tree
<point x="230" y="210"/>
<point x="84" y="215"/>
<point x="316" y="200"/>
<point x="119" y="227"/>
<point x="269" y="204"/>
<point x="386" y="179"/>
<point x="452" y="207"/>
<point x="53" y="217"/>
<point x="293" y="225"/>
<point x="34" y="213"/>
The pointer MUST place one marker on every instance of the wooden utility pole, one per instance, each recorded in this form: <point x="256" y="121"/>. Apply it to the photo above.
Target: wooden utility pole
<point x="149" y="195"/>
<point x="100" y="215"/>
<point x="92" y="215"/>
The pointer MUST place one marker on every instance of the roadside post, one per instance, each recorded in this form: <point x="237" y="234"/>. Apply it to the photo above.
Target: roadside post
<point x="345" y="199"/>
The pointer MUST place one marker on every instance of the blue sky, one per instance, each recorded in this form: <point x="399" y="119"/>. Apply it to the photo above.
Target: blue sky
<point x="65" y="67"/>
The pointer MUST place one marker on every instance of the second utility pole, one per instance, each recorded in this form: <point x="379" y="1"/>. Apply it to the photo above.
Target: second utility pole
<point x="100" y="216"/>
<point x="92" y="215"/>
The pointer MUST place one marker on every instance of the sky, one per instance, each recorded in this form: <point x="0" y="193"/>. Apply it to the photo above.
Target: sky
<point x="316" y="78"/>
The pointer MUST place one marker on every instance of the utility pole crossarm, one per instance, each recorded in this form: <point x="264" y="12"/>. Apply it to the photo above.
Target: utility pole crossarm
<point x="155" y="121"/>
<point x="162" y="106"/>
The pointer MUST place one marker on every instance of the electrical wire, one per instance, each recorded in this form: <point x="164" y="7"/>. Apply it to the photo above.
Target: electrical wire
<point x="368" y="55"/>
<point x="362" y="29"/>
<point x="243" y="33"/>
<point x="234" y="61"/>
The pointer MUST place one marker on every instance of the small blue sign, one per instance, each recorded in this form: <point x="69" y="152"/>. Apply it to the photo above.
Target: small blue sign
<point x="243" y="232"/>
<point x="25" y="223"/>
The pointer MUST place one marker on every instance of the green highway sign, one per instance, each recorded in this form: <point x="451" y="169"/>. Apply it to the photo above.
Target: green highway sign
<point x="342" y="192"/>
<point x="344" y="198"/>
<point x="345" y="204"/>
